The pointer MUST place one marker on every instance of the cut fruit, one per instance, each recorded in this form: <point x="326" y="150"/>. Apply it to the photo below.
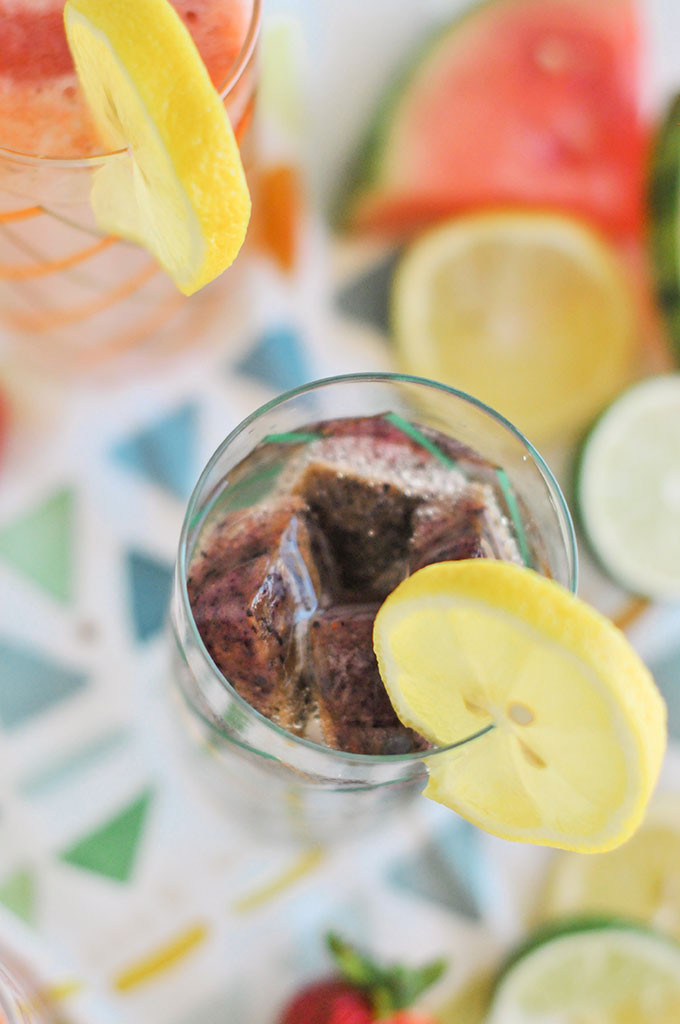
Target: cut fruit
<point x="640" y="881"/>
<point x="530" y="312"/>
<point x="628" y="488"/>
<point x="664" y="204"/>
<point x="179" y="189"/>
<point x="576" y="725"/>
<point x="601" y="973"/>
<point x="517" y="102"/>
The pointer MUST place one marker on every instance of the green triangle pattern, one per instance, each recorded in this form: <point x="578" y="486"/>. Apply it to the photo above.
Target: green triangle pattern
<point x="40" y="544"/>
<point x="18" y="894"/>
<point x="112" y="848"/>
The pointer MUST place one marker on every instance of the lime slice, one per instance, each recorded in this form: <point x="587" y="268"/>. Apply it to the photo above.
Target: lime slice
<point x="579" y="724"/>
<point x="605" y="973"/>
<point x="529" y="312"/>
<point x="639" y="881"/>
<point x="628" y="488"/>
<point x="179" y="189"/>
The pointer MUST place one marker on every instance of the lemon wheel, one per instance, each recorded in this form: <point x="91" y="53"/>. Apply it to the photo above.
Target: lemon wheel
<point x="578" y="726"/>
<point x="178" y="186"/>
<point x="530" y="312"/>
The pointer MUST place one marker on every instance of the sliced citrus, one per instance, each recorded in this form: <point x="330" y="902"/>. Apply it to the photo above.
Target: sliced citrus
<point x="578" y="725"/>
<point x="530" y="312"/>
<point x="628" y="488"/>
<point x="600" y="972"/>
<point x="179" y="187"/>
<point x="639" y="881"/>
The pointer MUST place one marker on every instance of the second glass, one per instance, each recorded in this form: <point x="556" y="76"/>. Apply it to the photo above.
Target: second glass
<point x="69" y="295"/>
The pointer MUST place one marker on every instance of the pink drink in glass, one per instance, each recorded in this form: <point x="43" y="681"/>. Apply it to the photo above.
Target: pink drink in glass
<point x="64" y="288"/>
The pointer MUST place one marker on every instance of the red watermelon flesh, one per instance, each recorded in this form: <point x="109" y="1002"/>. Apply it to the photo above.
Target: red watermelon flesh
<point x="531" y="102"/>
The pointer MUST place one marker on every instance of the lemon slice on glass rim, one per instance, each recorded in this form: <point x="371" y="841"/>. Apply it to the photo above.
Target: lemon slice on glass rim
<point x="579" y="725"/>
<point x="179" y="190"/>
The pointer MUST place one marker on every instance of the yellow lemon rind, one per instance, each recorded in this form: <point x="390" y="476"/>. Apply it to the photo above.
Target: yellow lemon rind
<point x="561" y="619"/>
<point x="151" y="47"/>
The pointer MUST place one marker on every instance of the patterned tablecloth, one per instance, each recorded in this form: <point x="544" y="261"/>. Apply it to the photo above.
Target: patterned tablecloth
<point x="109" y="857"/>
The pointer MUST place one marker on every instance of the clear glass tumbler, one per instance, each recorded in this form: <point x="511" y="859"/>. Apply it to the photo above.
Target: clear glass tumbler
<point x="72" y="297"/>
<point x="279" y="783"/>
<point x="20" y="1002"/>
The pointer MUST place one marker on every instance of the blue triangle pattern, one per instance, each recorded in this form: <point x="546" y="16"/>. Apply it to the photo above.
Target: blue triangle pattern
<point x="667" y="675"/>
<point x="445" y="870"/>
<point x="150" y="583"/>
<point x="278" y="360"/>
<point x="165" y="452"/>
<point x="367" y="297"/>
<point x="31" y="684"/>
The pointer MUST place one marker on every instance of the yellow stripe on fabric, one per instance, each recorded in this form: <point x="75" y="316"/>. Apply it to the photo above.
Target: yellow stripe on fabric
<point x="301" y="866"/>
<point x="630" y="614"/>
<point x="161" y="959"/>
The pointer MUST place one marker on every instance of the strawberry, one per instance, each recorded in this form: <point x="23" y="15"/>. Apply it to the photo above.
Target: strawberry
<point x="317" y="1003"/>
<point x="362" y="992"/>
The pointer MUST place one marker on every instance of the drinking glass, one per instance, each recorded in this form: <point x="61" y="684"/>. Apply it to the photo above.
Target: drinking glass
<point x="282" y="784"/>
<point x="69" y="295"/>
<point x="20" y="1003"/>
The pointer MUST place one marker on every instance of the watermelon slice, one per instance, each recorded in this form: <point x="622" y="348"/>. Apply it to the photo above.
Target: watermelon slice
<point x="530" y="102"/>
<point x="664" y="206"/>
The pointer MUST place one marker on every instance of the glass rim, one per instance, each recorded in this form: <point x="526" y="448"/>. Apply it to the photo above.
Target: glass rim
<point x="189" y="519"/>
<point x="96" y="159"/>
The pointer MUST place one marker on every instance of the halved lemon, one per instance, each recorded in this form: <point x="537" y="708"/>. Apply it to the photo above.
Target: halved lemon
<point x="179" y="188"/>
<point x="579" y="727"/>
<point x="530" y="312"/>
<point x="640" y="881"/>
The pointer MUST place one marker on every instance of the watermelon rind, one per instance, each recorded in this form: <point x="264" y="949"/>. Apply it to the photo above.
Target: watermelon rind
<point x="664" y="208"/>
<point x="367" y="169"/>
<point x="382" y="191"/>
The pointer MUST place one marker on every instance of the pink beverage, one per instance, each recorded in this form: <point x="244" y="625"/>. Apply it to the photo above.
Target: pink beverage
<point x="21" y="1001"/>
<point x="63" y="287"/>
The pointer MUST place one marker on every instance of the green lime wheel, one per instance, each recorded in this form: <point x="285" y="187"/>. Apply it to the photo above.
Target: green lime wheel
<point x="600" y="972"/>
<point x="628" y="488"/>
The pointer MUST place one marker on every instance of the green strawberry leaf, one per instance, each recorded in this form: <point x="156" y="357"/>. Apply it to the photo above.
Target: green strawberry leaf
<point x="389" y="988"/>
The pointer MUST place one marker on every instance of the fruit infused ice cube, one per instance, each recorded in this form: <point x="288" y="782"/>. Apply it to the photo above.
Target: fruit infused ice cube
<point x="307" y="537"/>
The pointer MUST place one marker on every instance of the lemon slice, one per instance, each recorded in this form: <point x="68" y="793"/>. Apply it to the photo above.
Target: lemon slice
<point x="601" y="972"/>
<point x="530" y="312"/>
<point x="179" y="189"/>
<point x="639" y="881"/>
<point x="579" y="724"/>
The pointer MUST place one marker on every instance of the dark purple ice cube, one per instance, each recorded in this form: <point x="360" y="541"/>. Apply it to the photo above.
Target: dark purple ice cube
<point x="256" y="581"/>
<point x="354" y="710"/>
<point x="367" y="523"/>
<point x="447" y="531"/>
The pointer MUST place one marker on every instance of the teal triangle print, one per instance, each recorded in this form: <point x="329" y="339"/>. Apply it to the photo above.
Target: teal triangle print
<point x="444" y="871"/>
<point x="367" y="297"/>
<point x="149" y="587"/>
<point x="31" y="684"/>
<point x="667" y="675"/>
<point x="111" y="850"/>
<point x="278" y="360"/>
<point x="40" y="544"/>
<point x="165" y="452"/>
<point x="17" y="893"/>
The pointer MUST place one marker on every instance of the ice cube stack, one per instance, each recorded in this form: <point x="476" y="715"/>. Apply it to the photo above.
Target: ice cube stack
<point x="284" y="593"/>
